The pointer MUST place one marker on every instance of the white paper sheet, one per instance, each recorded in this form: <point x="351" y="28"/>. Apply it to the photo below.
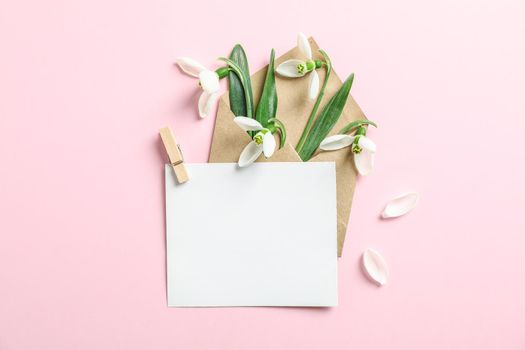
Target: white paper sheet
<point x="265" y="235"/>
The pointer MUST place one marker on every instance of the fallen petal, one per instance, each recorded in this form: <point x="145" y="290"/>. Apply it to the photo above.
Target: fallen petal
<point x="364" y="162"/>
<point x="268" y="144"/>
<point x="190" y="66"/>
<point x="400" y="205"/>
<point x="249" y="154"/>
<point x="375" y="266"/>
<point x="206" y="102"/>
<point x="304" y="45"/>
<point x="335" y="142"/>
<point x="313" y="86"/>
<point x="248" y="124"/>
<point x="288" y="69"/>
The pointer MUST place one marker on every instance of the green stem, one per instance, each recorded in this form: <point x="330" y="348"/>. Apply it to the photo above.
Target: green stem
<point x="310" y="121"/>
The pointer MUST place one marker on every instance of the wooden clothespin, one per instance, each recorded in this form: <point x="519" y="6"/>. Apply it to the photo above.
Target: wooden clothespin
<point x="175" y="154"/>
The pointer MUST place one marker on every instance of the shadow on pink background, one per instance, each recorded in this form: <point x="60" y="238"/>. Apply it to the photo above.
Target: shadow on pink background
<point x="85" y="86"/>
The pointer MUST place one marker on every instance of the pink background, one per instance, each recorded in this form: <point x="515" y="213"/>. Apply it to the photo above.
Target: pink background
<point x="85" y="86"/>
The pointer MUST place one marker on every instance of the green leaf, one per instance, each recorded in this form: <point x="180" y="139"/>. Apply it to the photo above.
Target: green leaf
<point x="245" y="81"/>
<point x="267" y="107"/>
<point x="355" y="124"/>
<point x="237" y="90"/>
<point x="326" y="120"/>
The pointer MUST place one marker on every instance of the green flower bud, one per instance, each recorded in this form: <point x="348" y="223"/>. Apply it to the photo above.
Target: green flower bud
<point x="356" y="149"/>
<point x="258" y="138"/>
<point x="222" y="72"/>
<point x="310" y="65"/>
<point x="301" y="68"/>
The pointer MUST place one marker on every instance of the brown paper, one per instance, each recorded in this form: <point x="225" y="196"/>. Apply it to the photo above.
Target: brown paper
<point x="293" y="110"/>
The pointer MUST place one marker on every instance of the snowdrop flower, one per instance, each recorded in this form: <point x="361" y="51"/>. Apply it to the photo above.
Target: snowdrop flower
<point x="262" y="142"/>
<point x="295" y="68"/>
<point x="362" y="147"/>
<point x="208" y="81"/>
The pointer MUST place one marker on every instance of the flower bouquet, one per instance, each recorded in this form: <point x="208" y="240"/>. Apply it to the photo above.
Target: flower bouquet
<point x="299" y="100"/>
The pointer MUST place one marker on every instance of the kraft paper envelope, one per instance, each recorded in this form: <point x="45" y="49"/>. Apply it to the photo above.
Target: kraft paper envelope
<point x="293" y="110"/>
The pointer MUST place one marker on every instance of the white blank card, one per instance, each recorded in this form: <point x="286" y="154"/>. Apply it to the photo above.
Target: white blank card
<point x="264" y="235"/>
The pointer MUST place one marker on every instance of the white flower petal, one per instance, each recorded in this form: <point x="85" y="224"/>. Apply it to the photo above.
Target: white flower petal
<point x="268" y="144"/>
<point x="375" y="266"/>
<point x="313" y="86"/>
<point x="206" y="102"/>
<point x="190" y="66"/>
<point x="304" y="45"/>
<point x="335" y="142"/>
<point x="365" y="143"/>
<point x="249" y="154"/>
<point x="289" y="69"/>
<point x="209" y="81"/>
<point x="248" y="124"/>
<point x="400" y="205"/>
<point x="364" y="162"/>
